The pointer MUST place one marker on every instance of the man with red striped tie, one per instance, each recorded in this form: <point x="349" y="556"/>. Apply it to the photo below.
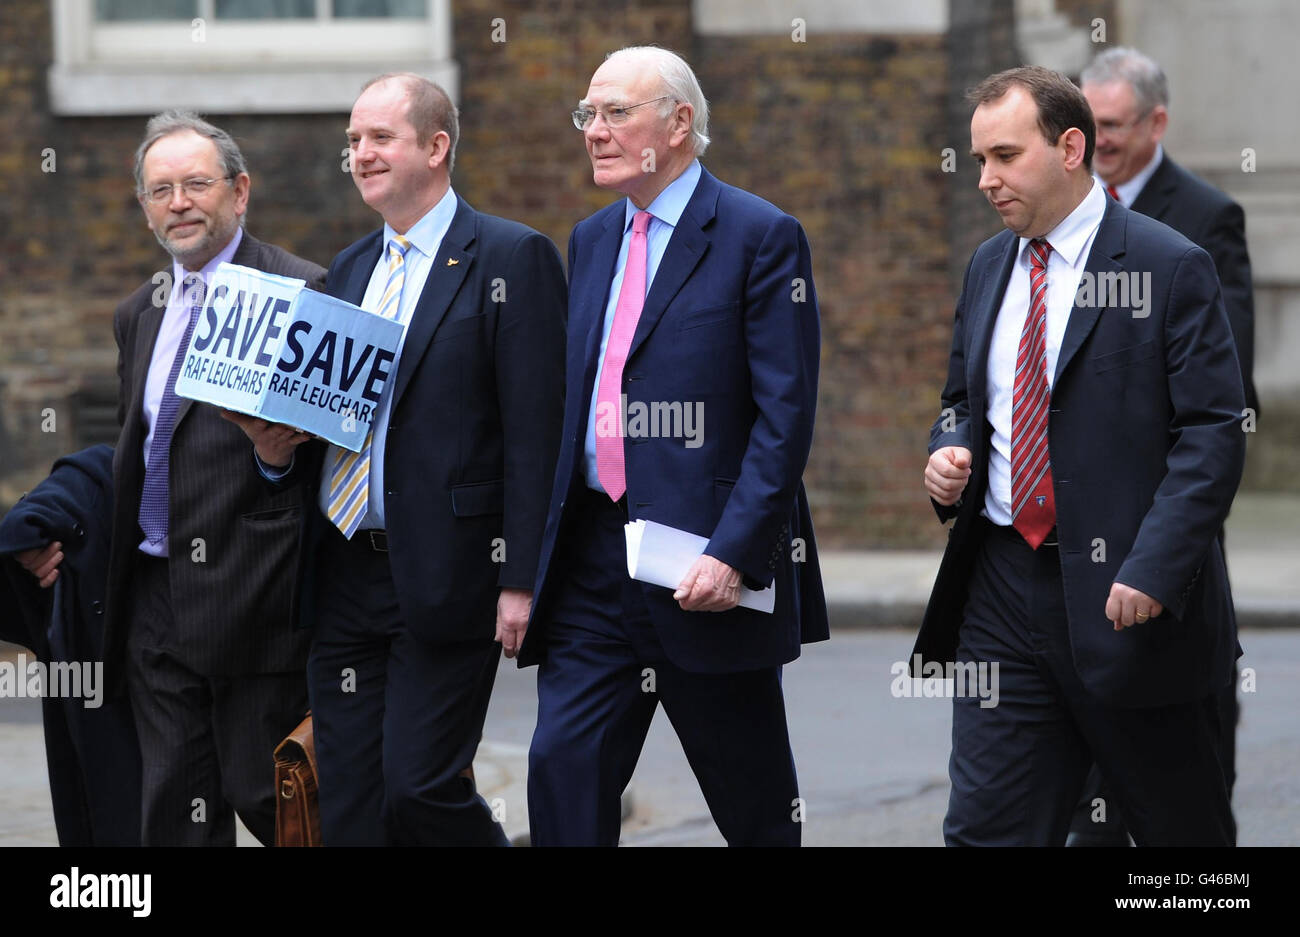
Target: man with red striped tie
<point x="1089" y="448"/>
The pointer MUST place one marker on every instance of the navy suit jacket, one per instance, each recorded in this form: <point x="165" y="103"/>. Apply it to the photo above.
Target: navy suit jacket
<point x="92" y="753"/>
<point x="1210" y="219"/>
<point x="1147" y="449"/>
<point x="473" y="429"/>
<point x="730" y="321"/>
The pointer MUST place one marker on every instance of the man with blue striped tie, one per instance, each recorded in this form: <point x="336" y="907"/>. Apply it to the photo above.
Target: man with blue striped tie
<point x="422" y="552"/>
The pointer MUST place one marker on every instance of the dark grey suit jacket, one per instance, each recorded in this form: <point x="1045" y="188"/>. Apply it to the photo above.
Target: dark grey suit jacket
<point x="232" y="593"/>
<point x="1210" y="219"/>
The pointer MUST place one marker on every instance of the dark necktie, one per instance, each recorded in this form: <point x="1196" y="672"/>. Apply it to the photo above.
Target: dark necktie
<point x="153" y="497"/>
<point x="1033" y="507"/>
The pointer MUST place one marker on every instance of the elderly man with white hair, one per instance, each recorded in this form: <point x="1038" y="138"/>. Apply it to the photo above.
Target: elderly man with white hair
<point x="691" y="384"/>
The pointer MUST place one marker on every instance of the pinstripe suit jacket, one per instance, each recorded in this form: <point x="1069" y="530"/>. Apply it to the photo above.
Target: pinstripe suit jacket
<point x="232" y="594"/>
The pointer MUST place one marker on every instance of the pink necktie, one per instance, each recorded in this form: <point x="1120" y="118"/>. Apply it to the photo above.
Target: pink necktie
<point x="609" y="447"/>
<point x="1033" y="505"/>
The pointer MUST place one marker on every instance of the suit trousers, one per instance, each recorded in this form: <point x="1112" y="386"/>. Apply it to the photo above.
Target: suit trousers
<point x="397" y="718"/>
<point x="1017" y="768"/>
<point x="206" y="742"/>
<point x="1091" y="828"/>
<point x="603" y="676"/>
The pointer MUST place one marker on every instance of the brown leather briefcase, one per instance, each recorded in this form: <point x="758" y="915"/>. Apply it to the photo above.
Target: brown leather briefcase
<point x="297" y="807"/>
<point x="297" y="810"/>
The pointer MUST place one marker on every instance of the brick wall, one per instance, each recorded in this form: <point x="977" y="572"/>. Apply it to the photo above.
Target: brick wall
<point x="844" y="132"/>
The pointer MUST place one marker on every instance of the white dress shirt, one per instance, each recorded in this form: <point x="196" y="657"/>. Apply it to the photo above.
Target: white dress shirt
<point x="1071" y="240"/>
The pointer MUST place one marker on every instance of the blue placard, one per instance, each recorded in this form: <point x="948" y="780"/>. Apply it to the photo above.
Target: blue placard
<point x="267" y="346"/>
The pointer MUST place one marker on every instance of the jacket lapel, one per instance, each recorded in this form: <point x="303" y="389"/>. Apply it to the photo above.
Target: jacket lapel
<point x="447" y="273"/>
<point x="1157" y="195"/>
<point x="589" y="318"/>
<point x="686" y="248"/>
<point x="358" y="278"/>
<point x="1106" y="246"/>
<point x="985" y="316"/>
<point x="148" y="323"/>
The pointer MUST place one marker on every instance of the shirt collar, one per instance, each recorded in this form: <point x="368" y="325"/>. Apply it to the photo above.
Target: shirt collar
<point x="1070" y="236"/>
<point x="179" y="273"/>
<point x="1129" y="191"/>
<point x="671" y="202"/>
<point x="427" y="233"/>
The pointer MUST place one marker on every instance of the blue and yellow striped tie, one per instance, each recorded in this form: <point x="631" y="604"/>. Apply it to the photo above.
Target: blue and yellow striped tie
<point x="350" y="477"/>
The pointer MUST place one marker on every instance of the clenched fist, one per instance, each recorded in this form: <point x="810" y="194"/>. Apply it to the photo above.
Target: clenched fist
<point x="946" y="474"/>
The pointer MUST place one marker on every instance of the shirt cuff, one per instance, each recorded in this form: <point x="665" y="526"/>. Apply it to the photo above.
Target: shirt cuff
<point x="271" y="473"/>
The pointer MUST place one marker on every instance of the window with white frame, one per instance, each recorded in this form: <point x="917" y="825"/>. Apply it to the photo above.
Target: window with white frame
<point x="239" y="56"/>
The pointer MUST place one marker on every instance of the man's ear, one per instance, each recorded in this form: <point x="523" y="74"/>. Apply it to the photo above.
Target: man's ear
<point x="1074" y="143"/>
<point x="144" y="207"/>
<point x="441" y="144"/>
<point x="683" y="120"/>
<point x="242" y="185"/>
<point x="1159" y="122"/>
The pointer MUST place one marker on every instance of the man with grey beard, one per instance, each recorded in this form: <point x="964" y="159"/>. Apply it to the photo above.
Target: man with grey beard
<point x="198" y="626"/>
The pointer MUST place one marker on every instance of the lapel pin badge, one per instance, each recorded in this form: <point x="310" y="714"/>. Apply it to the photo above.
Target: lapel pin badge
<point x="452" y="261"/>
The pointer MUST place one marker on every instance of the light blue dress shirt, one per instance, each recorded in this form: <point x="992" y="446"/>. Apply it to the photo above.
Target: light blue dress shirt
<point x="426" y="238"/>
<point x="666" y="210"/>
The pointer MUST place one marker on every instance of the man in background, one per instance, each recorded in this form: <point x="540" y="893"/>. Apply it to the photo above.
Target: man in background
<point x="1129" y="97"/>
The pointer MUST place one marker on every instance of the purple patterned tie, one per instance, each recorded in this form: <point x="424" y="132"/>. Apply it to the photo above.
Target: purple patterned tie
<point x="153" y="497"/>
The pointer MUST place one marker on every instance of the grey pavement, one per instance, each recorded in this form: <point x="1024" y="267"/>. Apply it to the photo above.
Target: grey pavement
<point x="872" y="767"/>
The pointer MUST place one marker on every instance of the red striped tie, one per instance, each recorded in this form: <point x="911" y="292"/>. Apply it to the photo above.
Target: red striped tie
<point x="1033" y="507"/>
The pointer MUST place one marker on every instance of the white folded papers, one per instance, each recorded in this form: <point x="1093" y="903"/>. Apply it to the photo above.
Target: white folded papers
<point x="662" y="555"/>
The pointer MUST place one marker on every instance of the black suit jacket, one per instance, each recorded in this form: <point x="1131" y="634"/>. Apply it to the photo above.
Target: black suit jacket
<point x="1146" y="448"/>
<point x="233" y="543"/>
<point x="1212" y="220"/>
<point x="474" y="427"/>
<point x="92" y="752"/>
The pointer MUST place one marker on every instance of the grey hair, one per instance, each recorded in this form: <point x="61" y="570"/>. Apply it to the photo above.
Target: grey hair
<point x="178" y="121"/>
<point x="679" y="82"/>
<point x="1140" y="71"/>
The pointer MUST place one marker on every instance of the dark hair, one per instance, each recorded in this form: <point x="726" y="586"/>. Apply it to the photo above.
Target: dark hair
<point x="429" y="110"/>
<point x="1061" y="105"/>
